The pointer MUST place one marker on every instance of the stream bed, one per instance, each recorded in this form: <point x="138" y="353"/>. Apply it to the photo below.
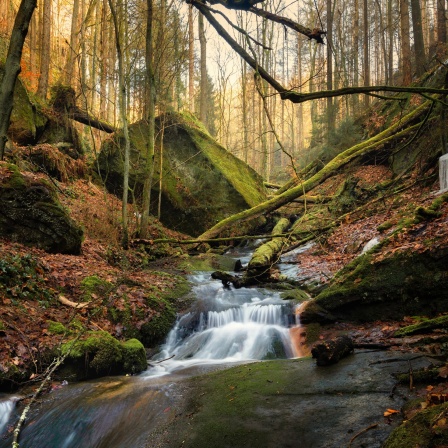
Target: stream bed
<point x="256" y="392"/>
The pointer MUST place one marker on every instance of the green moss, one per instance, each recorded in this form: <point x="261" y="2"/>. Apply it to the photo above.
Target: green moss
<point x="420" y="376"/>
<point x="16" y="180"/>
<point x="297" y="295"/>
<point x="405" y="283"/>
<point x="421" y="431"/>
<point x="134" y="356"/>
<point x="94" y="285"/>
<point x="154" y="331"/>
<point x="56" y="327"/>
<point x="385" y="226"/>
<point x="99" y="350"/>
<point x="99" y="354"/>
<point x="421" y="327"/>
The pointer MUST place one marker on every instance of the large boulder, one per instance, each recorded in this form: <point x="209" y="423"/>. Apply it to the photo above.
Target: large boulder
<point x="31" y="214"/>
<point x="26" y="121"/>
<point x="202" y="183"/>
<point x="401" y="284"/>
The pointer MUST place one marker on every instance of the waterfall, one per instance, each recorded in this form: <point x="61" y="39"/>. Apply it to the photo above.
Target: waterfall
<point x="443" y="173"/>
<point x="227" y="325"/>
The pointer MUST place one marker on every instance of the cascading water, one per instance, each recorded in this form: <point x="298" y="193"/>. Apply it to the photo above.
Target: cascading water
<point x="443" y="173"/>
<point x="227" y="325"/>
<point x="7" y="405"/>
<point x="224" y="326"/>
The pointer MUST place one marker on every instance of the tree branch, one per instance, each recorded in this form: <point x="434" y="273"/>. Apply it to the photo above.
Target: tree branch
<point x="315" y="33"/>
<point x="236" y="47"/>
<point x="292" y="95"/>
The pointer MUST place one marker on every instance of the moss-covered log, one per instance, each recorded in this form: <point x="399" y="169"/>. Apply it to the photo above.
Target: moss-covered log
<point x="267" y="253"/>
<point x="397" y="130"/>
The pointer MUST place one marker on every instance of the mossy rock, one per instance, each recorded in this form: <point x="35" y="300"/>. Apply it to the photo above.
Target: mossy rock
<point x="100" y="354"/>
<point x="134" y="356"/>
<point x="27" y="122"/>
<point x="405" y="283"/>
<point x="156" y="329"/>
<point x="31" y="214"/>
<point x="202" y="183"/>
<point x="297" y="295"/>
<point x="426" y="429"/>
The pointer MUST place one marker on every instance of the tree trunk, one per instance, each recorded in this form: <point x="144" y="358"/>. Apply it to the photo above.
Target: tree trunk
<point x="441" y="22"/>
<point x="204" y="81"/>
<point x="151" y="103"/>
<point x="266" y="255"/>
<point x="419" y="45"/>
<point x="330" y="111"/>
<point x="190" y="59"/>
<point x="12" y="67"/>
<point x="355" y="54"/>
<point x="45" y="50"/>
<point x="70" y="67"/>
<point x="405" y="43"/>
<point x="366" y="62"/>
<point x="119" y="41"/>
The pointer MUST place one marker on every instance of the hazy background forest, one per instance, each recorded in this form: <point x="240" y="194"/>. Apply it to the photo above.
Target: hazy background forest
<point x="368" y="42"/>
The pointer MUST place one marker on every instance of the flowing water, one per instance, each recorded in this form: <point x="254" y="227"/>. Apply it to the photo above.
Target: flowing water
<point x="224" y="326"/>
<point x="443" y="173"/>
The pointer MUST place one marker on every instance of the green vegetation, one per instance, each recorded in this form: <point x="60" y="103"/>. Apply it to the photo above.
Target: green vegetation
<point x="424" y="325"/>
<point x="428" y="428"/>
<point x="407" y="278"/>
<point x="93" y="286"/>
<point x="155" y="330"/>
<point x="56" y="327"/>
<point x="101" y="354"/>
<point x="22" y="277"/>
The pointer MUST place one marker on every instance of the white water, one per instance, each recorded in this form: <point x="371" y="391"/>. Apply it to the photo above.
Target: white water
<point x="226" y="325"/>
<point x="6" y="407"/>
<point x="443" y="173"/>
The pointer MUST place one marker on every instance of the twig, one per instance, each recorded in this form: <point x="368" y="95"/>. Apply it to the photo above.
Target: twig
<point x="166" y="359"/>
<point x="411" y="376"/>
<point x="56" y="363"/>
<point x="374" y="425"/>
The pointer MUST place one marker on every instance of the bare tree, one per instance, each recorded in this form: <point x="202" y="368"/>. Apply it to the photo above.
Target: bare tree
<point x="118" y="19"/>
<point x="12" y="67"/>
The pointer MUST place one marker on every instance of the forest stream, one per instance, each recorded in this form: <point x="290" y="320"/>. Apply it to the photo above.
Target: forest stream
<point x="225" y="327"/>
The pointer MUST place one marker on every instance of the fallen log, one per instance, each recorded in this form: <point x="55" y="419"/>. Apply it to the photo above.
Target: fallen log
<point x="228" y="279"/>
<point x="397" y="131"/>
<point x="83" y="117"/>
<point x="330" y="352"/>
<point x="266" y="254"/>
